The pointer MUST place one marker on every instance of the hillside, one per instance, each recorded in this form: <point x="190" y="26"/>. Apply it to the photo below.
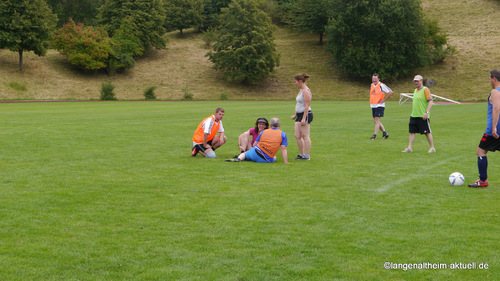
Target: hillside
<point x="183" y="69"/>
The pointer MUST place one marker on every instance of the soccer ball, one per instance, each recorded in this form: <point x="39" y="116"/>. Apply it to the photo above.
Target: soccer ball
<point x="456" y="179"/>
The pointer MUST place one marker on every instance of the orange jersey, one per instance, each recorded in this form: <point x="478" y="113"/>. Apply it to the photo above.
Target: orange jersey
<point x="207" y="126"/>
<point x="271" y="140"/>
<point x="376" y="93"/>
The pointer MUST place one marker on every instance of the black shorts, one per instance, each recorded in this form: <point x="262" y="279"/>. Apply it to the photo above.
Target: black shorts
<point x="200" y="148"/>
<point x="419" y="125"/>
<point x="378" y="111"/>
<point x="309" y="117"/>
<point x="489" y="143"/>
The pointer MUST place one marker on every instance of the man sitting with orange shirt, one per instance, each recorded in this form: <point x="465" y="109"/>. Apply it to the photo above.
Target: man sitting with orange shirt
<point x="266" y="146"/>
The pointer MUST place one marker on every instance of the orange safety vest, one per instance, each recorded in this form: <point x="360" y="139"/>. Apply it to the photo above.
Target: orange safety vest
<point x="200" y="131"/>
<point x="376" y="94"/>
<point x="270" y="142"/>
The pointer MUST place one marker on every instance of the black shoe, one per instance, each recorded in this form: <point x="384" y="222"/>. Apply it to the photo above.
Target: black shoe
<point x="299" y="157"/>
<point x="373" y="137"/>
<point x="237" y="155"/>
<point x="233" y="160"/>
<point x="194" y="152"/>
<point x="385" y="135"/>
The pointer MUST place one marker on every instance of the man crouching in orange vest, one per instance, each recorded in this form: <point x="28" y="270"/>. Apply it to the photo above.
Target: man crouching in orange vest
<point x="205" y="139"/>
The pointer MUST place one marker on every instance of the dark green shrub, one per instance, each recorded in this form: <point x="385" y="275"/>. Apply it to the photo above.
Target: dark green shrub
<point x="107" y="91"/>
<point x="149" y="93"/>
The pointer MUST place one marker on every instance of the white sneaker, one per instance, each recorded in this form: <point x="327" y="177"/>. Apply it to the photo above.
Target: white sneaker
<point x="407" y="150"/>
<point x="432" y="150"/>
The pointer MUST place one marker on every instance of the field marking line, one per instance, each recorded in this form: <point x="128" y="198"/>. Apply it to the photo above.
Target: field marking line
<point x="412" y="176"/>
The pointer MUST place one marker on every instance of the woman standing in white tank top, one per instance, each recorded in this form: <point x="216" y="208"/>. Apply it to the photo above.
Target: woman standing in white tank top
<point x="303" y="117"/>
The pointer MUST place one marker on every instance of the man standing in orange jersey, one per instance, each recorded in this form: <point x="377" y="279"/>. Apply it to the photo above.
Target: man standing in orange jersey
<point x="266" y="146"/>
<point x="205" y="138"/>
<point x="379" y="93"/>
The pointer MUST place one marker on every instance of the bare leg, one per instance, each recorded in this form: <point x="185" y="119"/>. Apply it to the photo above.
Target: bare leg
<point x="412" y="140"/>
<point x="298" y="137"/>
<point x="244" y="141"/>
<point x="430" y="139"/>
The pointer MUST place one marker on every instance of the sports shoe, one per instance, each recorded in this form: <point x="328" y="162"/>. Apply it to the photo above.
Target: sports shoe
<point x="385" y="135"/>
<point x="194" y="152"/>
<point x="233" y="160"/>
<point x="373" y="137"/>
<point x="479" y="183"/>
<point x="299" y="157"/>
<point x="432" y="150"/>
<point x="407" y="150"/>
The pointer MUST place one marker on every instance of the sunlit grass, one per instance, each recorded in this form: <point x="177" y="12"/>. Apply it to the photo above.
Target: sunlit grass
<point x="108" y="191"/>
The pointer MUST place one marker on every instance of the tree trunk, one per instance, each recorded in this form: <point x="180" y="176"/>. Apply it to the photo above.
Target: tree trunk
<point x="21" y="60"/>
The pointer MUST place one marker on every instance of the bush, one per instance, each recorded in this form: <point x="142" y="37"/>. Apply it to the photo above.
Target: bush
<point x="85" y="47"/>
<point x="18" y="86"/>
<point x="107" y="91"/>
<point x="187" y="93"/>
<point x="149" y="93"/>
<point x="223" y="96"/>
<point x="209" y="36"/>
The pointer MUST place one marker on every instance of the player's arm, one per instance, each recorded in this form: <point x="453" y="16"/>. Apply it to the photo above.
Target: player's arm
<point x="495" y="101"/>
<point x="428" y="96"/>
<point x="221" y="138"/>
<point x="284" y="153"/>
<point x="387" y="96"/>
<point x="205" y="137"/>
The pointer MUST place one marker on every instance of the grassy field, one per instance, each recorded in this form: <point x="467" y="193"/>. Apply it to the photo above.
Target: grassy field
<point x="183" y="69"/>
<point x="108" y="191"/>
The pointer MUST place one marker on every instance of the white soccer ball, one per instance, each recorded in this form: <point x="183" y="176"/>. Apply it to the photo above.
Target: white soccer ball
<point x="456" y="179"/>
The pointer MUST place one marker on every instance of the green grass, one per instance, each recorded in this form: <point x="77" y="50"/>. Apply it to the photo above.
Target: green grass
<point x="108" y="191"/>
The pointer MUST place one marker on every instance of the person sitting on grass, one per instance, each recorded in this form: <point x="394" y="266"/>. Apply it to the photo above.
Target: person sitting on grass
<point x="247" y="139"/>
<point x="266" y="146"/>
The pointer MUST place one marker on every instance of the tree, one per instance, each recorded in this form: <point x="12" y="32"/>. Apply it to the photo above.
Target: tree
<point x="147" y="16"/>
<point x="389" y="37"/>
<point x="183" y="14"/>
<point x="85" y="47"/>
<point x="245" y="49"/>
<point x="81" y="11"/>
<point x="26" y="25"/>
<point x="211" y="12"/>
<point x="308" y="16"/>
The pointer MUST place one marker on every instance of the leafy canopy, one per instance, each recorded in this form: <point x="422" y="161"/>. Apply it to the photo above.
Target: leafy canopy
<point x="26" y="25"/>
<point x="147" y="17"/>
<point x="389" y="37"/>
<point x="85" y="47"/>
<point x="183" y="14"/>
<point x="307" y="16"/>
<point x="245" y="50"/>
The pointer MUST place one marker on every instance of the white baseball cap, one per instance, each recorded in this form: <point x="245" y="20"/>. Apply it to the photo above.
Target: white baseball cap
<point x="418" y="78"/>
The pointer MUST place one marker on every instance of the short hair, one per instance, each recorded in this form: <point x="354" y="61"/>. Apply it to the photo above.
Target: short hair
<point x="495" y="73"/>
<point x="376" y="74"/>
<point x="301" y="77"/>
<point x="275" y="122"/>
<point x="219" y="109"/>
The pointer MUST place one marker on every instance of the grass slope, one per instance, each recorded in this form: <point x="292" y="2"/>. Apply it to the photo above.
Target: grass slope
<point x="184" y="69"/>
<point x="108" y="191"/>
